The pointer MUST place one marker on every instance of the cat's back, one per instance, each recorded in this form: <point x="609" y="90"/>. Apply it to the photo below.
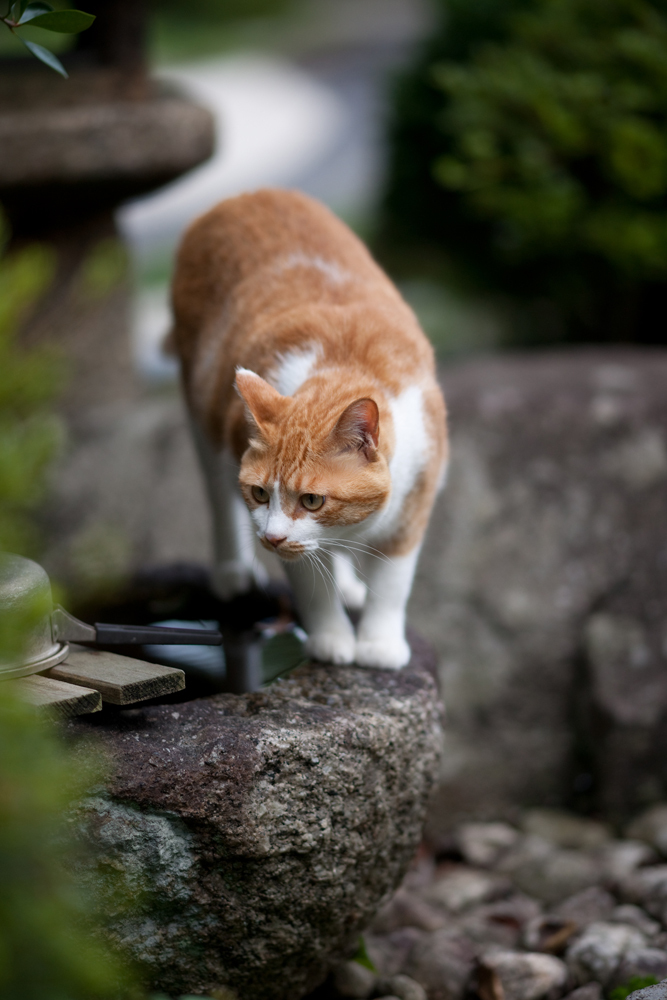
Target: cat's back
<point x="256" y="237"/>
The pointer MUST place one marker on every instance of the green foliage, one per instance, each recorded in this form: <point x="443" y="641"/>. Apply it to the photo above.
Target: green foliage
<point x="30" y="434"/>
<point x="46" y="952"/>
<point x="362" y="957"/>
<point x="530" y="143"/>
<point x="38" y="14"/>
<point x="636" y="983"/>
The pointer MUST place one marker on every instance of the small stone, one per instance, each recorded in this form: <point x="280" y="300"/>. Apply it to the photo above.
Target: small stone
<point x="402" y="987"/>
<point x="442" y="962"/>
<point x="460" y="888"/>
<point x="586" y="907"/>
<point x="483" y="844"/>
<point x="561" y="873"/>
<point x="591" y="991"/>
<point x="599" y="951"/>
<point x="642" y="962"/>
<point x="527" y="851"/>
<point x="389" y="952"/>
<point x="565" y="829"/>
<point x="405" y="909"/>
<point x="619" y="858"/>
<point x="648" y="888"/>
<point x="635" y="917"/>
<point x="651" y="827"/>
<point x="500" y="923"/>
<point x="525" y="975"/>
<point x="548" y="934"/>
<point x="657" y="992"/>
<point x="354" y="980"/>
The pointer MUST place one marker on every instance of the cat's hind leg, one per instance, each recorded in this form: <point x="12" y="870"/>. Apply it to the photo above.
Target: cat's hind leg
<point x="381" y="632"/>
<point x="330" y="632"/>
<point x="350" y="587"/>
<point x="236" y="568"/>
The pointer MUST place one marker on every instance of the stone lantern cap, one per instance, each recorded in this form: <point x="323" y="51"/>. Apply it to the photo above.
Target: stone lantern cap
<point x="88" y="143"/>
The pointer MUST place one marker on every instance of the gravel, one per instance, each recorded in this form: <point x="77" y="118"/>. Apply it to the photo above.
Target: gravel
<point x="512" y="919"/>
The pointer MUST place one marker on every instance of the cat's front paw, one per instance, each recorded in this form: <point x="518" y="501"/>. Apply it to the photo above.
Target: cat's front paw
<point x="228" y="579"/>
<point x="388" y="654"/>
<point x="331" y="647"/>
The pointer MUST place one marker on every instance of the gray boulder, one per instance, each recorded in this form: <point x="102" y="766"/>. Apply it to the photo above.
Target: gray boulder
<point x="256" y="835"/>
<point x="542" y="586"/>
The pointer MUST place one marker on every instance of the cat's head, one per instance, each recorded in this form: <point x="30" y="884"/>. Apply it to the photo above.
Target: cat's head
<point x="313" y="464"/>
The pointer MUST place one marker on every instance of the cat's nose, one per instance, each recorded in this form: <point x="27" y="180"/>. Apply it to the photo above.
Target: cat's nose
<point x="274" y="540"/>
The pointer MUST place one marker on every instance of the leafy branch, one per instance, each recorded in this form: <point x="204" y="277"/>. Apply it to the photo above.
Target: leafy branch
<point x="42" y="15"/>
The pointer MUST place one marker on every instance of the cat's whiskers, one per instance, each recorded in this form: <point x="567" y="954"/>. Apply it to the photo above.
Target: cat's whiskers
<point x="356" y="547"/>
<point x="328" y="574"/>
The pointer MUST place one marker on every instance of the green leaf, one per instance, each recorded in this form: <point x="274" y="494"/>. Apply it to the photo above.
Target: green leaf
<point x="46" y="57"/>
<point x="67" y="22"/>
<point x="17" y="9"/>
<point x="362" y="957"/>
<point x="31" y="10"/>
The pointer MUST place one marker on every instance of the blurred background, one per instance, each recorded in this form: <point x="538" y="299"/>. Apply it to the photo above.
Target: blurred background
<point x="506" y="160"/>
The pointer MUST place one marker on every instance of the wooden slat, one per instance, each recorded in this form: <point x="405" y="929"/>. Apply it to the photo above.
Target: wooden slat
<point x="121" y="680"/>
<point x="61" y="699"/>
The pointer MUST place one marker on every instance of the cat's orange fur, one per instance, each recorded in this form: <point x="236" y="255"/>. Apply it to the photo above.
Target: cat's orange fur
<point x="261" y="279"/>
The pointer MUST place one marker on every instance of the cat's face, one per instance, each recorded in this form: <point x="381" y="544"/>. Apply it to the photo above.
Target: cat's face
<point x="312" y="466"/>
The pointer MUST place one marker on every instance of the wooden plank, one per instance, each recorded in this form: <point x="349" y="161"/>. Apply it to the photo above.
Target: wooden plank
<point x="61" y="699"/>
<point x="121" y="680"/>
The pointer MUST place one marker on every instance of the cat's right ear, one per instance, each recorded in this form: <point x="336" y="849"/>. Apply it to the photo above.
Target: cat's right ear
<point x="263" y="403"/>
<point x="358" y="429"/>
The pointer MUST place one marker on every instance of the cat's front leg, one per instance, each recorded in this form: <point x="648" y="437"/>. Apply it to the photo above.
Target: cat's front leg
<point x="330" y="632"/>
<point x="381" y="633"/>
<point x="236" y="568"/>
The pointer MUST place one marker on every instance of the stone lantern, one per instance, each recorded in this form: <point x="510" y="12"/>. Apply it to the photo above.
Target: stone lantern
<point x="72" y="151"/>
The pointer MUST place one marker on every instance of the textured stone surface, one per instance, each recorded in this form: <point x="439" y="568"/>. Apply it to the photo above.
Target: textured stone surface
<point x="657" y="992"/>
<point x="259" y="833"/>
<point x="542" y="584"/>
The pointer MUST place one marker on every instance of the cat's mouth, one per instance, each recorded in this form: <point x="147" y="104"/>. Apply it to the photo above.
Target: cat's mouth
<point x="286" y="550"/>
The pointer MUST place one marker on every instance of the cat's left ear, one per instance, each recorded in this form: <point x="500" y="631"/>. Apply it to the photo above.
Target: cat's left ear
<point x="263" y="403"/>
<point x="358" y="428"/>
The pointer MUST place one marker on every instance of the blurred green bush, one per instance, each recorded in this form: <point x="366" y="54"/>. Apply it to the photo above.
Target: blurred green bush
<point x="46" y="950"/>
<point x="529" y="150"/>
<point x="30" y="434"/>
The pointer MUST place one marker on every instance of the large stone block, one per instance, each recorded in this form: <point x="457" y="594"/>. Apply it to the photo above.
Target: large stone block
<point x="543" y="583"/>
<point x="256" y="835"/>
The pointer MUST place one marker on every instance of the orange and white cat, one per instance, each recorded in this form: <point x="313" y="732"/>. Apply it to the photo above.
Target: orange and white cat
<point x="316" y="414"/>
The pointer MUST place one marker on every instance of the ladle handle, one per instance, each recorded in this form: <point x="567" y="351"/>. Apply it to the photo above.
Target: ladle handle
<point x="157" y="635"/>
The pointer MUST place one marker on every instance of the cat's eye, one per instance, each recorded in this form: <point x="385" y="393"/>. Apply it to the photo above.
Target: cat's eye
<point x="260" y="494"/>
<point x="312" y="501"/>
